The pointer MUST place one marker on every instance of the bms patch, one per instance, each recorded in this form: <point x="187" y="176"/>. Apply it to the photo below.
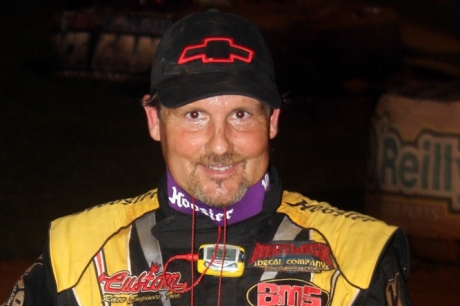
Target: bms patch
<point x="292" y="292"/>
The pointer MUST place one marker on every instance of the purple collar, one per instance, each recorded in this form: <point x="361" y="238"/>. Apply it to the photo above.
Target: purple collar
<point x="250" y="205"/>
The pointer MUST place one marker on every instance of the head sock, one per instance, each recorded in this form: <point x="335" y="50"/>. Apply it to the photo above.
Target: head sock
<point x="250" y="205"/>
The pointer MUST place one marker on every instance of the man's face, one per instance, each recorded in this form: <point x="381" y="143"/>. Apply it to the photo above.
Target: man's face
<point x="215" y="148"/>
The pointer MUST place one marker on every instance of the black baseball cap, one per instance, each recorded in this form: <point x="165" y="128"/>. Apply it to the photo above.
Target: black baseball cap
<point x="213" y="53"/>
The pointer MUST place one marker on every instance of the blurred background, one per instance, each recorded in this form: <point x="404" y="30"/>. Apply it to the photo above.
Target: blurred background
<point x="73" y="134"/>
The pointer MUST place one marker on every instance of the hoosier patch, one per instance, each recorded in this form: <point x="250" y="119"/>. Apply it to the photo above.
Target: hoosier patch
<point x="306" y="256"/>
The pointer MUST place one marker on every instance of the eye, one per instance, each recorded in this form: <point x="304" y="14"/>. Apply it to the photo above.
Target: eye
<point x="193" y="115"/>
<point x="240" y="114"/>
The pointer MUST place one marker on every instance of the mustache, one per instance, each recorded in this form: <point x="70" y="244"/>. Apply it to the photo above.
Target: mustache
<point x="218" y="160"/>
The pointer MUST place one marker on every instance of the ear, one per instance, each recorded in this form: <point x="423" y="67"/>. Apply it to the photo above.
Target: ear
<point x="153" y="119"/>
<point x="274" y="122"/>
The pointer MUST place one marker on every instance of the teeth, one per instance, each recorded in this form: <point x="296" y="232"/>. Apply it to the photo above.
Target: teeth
<point x="219" y="168"/>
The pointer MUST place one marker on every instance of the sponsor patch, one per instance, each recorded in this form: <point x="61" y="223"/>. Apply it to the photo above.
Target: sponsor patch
<point x="306" y="256"/>
<point x="123" y="287"/>
<point x="292" y="292"/>
<point x="18" y="293"/>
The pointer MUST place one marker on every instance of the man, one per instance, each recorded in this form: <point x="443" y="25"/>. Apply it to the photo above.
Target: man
<point x="219" y="229"/>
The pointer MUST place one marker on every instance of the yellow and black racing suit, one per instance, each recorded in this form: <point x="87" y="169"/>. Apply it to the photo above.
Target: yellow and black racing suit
<point x="297" y="252"/>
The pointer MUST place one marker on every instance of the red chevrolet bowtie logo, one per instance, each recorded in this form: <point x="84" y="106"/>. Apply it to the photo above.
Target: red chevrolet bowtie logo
<point x="228" y="52"/>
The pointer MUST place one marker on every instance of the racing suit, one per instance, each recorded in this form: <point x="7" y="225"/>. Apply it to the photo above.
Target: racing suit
<point x="297" y="252"/>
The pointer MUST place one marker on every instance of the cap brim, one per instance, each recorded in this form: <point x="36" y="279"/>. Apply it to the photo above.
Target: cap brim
<point x="176" y="92"/>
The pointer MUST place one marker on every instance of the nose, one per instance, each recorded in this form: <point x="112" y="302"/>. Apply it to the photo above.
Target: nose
<point x="220" y="138"/>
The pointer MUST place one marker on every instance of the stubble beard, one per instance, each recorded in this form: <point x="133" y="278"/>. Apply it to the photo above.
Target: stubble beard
<point x="218" y="197"/>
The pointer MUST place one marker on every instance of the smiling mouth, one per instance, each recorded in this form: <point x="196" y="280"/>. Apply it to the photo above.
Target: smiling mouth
<point x="220" y="168"/>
